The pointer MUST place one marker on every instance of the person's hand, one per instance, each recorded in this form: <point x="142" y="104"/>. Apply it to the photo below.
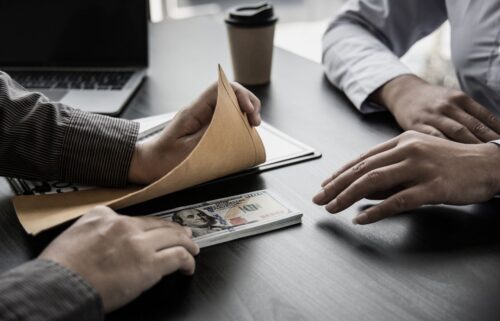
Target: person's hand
<point x="123" y="256"/>
<point x="411" y="170"/>
<point x="438" y="111"/>
<point x="157" y="156"/>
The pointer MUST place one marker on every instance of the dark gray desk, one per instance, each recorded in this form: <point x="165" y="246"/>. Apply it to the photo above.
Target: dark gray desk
<point x="439" y="263"/>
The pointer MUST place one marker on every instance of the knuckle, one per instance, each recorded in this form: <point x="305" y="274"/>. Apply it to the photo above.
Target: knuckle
<point x="133" y="244"/>
<point x="102" y="210"/>
<point x="479" y="128"/>
<point x="361" y="157"/>
<point x="179" y="237"/>
<point x="458" y="130"/>
<point x="359" y="167"/>
<point x="416" y="146"/>
<point x="400" y="202"/>
<point x="167" y="223"/>
<point x="492" y="119"/>
<point x="409" y="134"/>
<point x="120" y="225"/>
<point x="456" y="96"/>
<point x="443" y="106"/>
<point x="181" y="254"/>
<point x="374" y="176"/>
<point x="432" y="132"/>
<point x="98" y="217"/>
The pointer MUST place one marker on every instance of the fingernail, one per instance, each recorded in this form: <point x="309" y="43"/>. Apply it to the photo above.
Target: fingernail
<point x="361" y="219"/>
<point x="319" y="197"/>
<point x="333" y="206"/>
<point x="197" y="249"/>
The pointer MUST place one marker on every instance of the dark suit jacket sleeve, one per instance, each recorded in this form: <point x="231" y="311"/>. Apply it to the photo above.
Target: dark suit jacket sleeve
<point x="44" y="140"/>
<point x="42" y="290"/>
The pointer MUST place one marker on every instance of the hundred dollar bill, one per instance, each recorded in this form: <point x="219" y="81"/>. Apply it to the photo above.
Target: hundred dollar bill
<point x="234" y="217"/>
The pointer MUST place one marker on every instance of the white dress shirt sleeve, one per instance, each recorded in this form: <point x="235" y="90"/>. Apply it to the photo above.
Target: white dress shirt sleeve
<point x="362" y="45"/>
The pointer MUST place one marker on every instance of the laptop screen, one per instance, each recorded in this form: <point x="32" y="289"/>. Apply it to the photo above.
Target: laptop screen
<point x="73" y="33"/>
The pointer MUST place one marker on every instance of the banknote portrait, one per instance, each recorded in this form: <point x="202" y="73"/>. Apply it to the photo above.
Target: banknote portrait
<point x="201" y="223"/>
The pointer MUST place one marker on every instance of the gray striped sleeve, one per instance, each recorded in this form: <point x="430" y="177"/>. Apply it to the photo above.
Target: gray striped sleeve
<point x="45" y="140"/>
<point x="42" y="290"/>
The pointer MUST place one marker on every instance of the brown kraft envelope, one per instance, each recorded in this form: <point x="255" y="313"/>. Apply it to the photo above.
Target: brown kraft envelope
<point x="229" y="145"/>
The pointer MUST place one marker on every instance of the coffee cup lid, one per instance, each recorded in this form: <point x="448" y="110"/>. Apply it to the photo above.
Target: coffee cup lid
<point x="257" y="15"/>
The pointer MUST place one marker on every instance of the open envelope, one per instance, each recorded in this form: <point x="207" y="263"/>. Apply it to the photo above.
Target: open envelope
<point x="229" y="145"/>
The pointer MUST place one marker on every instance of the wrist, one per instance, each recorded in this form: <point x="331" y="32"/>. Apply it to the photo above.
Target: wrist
<point x="135" y="173"/>
<point x="491" y="154"/>
<point x="394" y="93"/>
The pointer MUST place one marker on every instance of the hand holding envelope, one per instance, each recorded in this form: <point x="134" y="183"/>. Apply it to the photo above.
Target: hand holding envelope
<point x="229" y="145"/>
<point x="155" y="157"/>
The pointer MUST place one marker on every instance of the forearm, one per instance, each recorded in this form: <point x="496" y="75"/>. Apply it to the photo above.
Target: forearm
<point x="44" y="290"/>
<point x="358" y="63"/>
<point x="362" y="46"/>
<point x="40" y="139"/>
<point x="394" y="93"/>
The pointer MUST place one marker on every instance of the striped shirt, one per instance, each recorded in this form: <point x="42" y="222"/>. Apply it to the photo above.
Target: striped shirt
<point x="45" y="140"/>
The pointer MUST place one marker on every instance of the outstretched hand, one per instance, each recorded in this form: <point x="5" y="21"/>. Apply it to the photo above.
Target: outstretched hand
<point x="411" y="170"/>
<point x="157" y="156"/>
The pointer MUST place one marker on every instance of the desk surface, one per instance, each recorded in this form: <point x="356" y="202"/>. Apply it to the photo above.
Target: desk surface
<point x="438" y="263"/>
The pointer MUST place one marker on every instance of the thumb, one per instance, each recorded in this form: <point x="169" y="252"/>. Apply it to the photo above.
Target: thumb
<point x="192" y="140"/>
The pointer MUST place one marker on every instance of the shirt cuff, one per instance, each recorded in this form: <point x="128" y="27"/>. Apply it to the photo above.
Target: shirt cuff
<point x="496" y="142"/>
<point x="359" y="65"/>
<point x="97" y="149"/>
<point x="45" y="290"/>
<point x="360" y="90"/>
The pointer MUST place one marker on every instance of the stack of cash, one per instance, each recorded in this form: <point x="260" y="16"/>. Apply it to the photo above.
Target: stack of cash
<point x="234" y="217"/>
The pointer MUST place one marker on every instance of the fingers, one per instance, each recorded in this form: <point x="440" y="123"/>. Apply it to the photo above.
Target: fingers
<point x="454" y="130"/>
<point x="243" y="96"/>
<point x="147" y="223"/>
<point x="202" y="109"/>
<point x="348" y="177"/>
<point x="97" y="213"/>
<point x="482" y="114"/>
<point x="474" y="125"/>
<point x="375" y="181"/>
<point x="405" y="200"/>
<point x="376" y="150"/>
<point x="170" y="236"/>
<point x="249" y="103"/>
<point x="429" y="130"/>
<point x="175" y="259"/>
<point x="255" y="118"/>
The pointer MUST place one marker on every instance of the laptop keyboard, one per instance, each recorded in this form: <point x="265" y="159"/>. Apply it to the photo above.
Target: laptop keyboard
<point x="90" y="80"/>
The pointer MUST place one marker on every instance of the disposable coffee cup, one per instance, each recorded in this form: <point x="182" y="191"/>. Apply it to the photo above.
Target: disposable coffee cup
<point x="251" y="36"/>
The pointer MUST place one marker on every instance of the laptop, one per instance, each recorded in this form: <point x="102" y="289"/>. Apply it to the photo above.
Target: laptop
<point x="87" y="54"/>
